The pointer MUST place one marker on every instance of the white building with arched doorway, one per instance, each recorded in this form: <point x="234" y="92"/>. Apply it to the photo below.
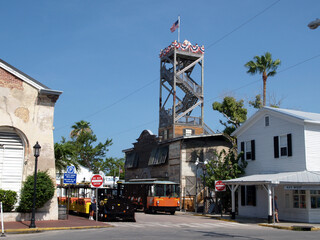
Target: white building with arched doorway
<point x="26" y="116"/>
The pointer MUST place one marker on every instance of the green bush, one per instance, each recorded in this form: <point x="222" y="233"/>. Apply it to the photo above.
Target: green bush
<point x="45" y="191"/>
<point x="8" y="199"/>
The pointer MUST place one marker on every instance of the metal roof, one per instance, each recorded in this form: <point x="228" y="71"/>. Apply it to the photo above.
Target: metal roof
<point x="302" y="177"/>
<point x="297" y="114"/>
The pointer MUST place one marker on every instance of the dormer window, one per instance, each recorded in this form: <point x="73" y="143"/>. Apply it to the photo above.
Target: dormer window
<point x="266" y="121"/>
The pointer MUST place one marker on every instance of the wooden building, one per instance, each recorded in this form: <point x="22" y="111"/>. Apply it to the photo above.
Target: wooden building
<point x="182" y="135"/>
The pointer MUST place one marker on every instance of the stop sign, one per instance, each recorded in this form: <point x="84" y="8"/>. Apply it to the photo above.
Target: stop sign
<point x="96" y="181"/>
<point x="220" y="186"/>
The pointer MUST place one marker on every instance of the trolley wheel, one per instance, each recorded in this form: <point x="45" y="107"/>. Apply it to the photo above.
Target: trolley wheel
<point x="172" y="212"/>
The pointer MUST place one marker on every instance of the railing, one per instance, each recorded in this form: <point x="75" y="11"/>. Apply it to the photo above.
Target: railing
<point x="191" y="121"/>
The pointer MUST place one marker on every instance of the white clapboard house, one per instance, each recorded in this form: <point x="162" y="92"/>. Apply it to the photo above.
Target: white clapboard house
<point x="282" y="148"/>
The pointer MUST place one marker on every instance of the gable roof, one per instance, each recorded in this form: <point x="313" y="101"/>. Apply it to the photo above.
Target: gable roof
<point x="43" y="89"/>
<point x="300" y="116"/>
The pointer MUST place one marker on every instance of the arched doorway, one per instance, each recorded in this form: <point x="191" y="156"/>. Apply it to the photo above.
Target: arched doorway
<point x="11" y="160"/>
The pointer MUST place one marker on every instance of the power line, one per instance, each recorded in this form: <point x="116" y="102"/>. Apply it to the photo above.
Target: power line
<point x="146" y="85"/>
<point x="234" y="90"/>
<point x="241" y="25"/>
<point x="114" y="103"/>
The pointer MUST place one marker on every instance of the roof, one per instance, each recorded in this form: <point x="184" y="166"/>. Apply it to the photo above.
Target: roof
<point x="43" y="89"/>
<point x="306" y="116"/>
<point x="299" y="116"/>
<point x="302" y="177"/>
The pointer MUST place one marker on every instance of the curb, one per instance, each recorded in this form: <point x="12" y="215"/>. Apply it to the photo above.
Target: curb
<point x="292" y="228"/>
<point x="35" y="230"/>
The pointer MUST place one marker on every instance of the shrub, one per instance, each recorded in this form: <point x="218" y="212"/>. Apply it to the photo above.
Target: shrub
<point x="45" y="191"/>
<point x="8" y="199"/>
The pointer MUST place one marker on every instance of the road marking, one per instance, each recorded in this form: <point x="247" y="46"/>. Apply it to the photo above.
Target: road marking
<point x="179" y="225"/>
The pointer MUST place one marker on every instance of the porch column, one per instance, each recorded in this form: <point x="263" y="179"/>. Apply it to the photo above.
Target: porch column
<point x="269" y="203"/>
<point x="268" y="188"/>
<point x="233" y="189"/>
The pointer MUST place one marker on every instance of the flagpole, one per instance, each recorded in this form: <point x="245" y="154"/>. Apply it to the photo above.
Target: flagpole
<point x="179" y="29"/>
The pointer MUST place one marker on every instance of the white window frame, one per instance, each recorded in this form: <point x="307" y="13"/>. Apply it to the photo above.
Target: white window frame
<point x="267" y="121"/>
<point x="283" y="144"/>
<point x="247" y="147"/>
<point x="299" y="199"/>
<point x="315" y="194"/>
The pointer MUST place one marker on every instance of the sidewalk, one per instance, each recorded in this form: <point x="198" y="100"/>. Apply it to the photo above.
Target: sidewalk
<point x="298" y="226"/>
<point x="73" y="222"/>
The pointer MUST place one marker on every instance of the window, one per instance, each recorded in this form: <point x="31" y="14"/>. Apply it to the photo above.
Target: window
<point x="266" y="121"/>
<point x="248" y="149"/>
<point x="282" y="145"/>
<point x="248" y="195"/>
<point x="315" y="198"/>
<point x="158" y="155"/>
<point x="188" y="132"/>
<point x="299" y="199"/>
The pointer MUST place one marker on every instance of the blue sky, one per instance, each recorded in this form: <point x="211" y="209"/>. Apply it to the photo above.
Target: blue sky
<point x="104" y="56"/>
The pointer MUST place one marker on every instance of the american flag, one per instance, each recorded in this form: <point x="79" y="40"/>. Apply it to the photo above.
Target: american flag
<point x="174" y="26"/>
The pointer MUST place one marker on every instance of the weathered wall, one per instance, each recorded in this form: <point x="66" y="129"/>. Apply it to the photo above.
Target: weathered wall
<point x="31" y="117"/>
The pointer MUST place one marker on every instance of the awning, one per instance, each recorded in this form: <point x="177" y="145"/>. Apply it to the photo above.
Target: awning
<point x="302" y="177"/>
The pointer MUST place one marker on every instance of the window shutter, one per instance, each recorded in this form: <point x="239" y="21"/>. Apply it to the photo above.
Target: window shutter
<point x="242" y="150"/>
<point x="253" y="150"/>
<point x="243" y="195"/>
<point x="289" y="142"/>
<point x="276" y="146"/>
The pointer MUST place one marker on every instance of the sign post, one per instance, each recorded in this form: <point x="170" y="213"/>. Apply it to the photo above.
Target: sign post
<point x="70" y="177"/>
<point x="96" y="182"/>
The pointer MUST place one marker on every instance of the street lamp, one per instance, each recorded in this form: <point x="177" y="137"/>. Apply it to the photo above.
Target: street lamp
<point x="314" y="24"/>
<point x="36" y="153"/>
<point x="204" y="168"/>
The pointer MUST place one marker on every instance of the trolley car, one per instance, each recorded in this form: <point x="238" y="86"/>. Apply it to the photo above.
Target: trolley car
<point x="152" y="195"/>
<point x="112" y="205"/>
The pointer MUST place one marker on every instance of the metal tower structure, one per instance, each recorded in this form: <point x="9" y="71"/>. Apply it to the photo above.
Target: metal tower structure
<point x="181" y="91"/>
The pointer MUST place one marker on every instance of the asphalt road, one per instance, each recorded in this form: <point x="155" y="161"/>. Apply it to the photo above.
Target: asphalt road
<point x="179" y="226"/>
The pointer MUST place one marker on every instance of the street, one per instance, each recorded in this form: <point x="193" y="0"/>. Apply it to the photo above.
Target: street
<point x="179" y="226"/>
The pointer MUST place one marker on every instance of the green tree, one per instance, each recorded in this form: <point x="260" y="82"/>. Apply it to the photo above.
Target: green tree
<point x="233" y="111"/>
<point x="64" y="155"/>
<point x="265" y="66"/>
<point x="257" y="102"/>
<point x="224" y="166"/>
<point x="86" y="150"/>
<point x="79" y="128"/>
<point x="112" y="166"/>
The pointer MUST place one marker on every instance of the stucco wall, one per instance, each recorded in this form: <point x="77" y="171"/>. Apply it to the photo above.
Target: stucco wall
<point x="31" y="117"/>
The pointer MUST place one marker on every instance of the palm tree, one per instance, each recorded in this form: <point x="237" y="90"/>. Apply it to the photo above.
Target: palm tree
<point x="265" y="66"/>
<point x="80" y="127"/>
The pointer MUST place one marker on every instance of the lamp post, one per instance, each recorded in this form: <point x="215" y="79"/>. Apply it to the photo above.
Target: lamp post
<point x="204" y="168"/>
<point x="36" y="153"/>
<point x="314" y="24"/>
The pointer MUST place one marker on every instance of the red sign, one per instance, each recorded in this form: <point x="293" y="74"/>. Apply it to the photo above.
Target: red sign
<point x="220" y="186"/>
<point x="96" y="181"/>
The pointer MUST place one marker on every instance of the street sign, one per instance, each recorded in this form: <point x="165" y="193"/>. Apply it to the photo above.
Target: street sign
<point x="71" y="169"/>
<point x="70" y="178"/>
<point x="96" y="181"/>
<point x="220" y="186"/>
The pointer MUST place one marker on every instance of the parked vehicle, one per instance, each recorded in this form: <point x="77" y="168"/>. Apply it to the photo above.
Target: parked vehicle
<point x="152" y="195"/>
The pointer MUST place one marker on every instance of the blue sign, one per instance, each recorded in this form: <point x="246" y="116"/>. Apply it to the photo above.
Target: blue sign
<point x="71" y="169"/>
<point x="70" y="178"/>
